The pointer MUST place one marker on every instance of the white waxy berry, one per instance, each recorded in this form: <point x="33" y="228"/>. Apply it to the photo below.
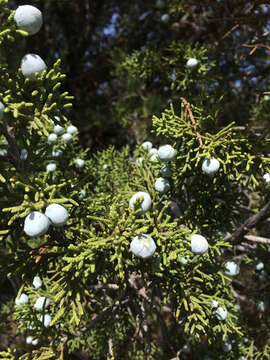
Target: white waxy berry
<point x="79" y="163"/>
<point x="143" y="246"/>
<point x="51" y="167"/>
<point x="145" y="204"/>
<point x="36" y="224"/>
<point x="59" y="130"/>
<point x="231" y="268"/>
<point x="29" y="340"/>
<point x="221" y="313"/>
<point x="35" y="342"/>
<point x="23" y="154"/>
<point x="23" y="299"/>
<point x="37" y="282"/>
<point x="192" y="63"/>
<point x="28" y="18"/>
<point x="72" y="129"/>
<point x="57" y="214"/>
<point x="226" y="346"/>
<point x="52" y="138"/>
<point x="3" y="152"/>
<point x="154" y="154"/>
<point x="57" y="152"/>
<point x="147" y="145"/>
<point x="105" y="166"/>
<point x="2" y="107"/>
<point x="266" y="177"/>
<point x="46" y="319"/>
<point x="162" y="185"/>
<point x="210" y="166"/>
<point x="166" y="153"/>
<point x="32" y="64"/>
<point x="42" y="303"/>
<point x="67" y="137"/>
<point x="166" y="170"/>
<point x="183" y="261"/>
<point x="165" y="18"/>
<point x="199" y="244"/>
<point x="260" y="266"/>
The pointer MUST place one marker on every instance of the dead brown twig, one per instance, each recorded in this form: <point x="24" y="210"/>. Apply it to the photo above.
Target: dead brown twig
<point x="188" y="110"/>
<point x="229" y="32"/>
<point x="255" y="47"/>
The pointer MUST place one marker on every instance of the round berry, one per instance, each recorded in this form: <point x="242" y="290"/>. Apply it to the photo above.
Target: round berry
<point x="23" y="299"/>
<point x="266" y="177"/>
<point x="143" y="246"/>
<point x="59" y="130"/>
<point x="154" y="154"/>
<point x="23" y="154"/>
<point x="145" y="204"/>
<point x="147" y="145"/>
<point x="57" y="214"/>
<point x="199" y="244"/>
<point x="72" y="129"/>
<point x="51" y="167"/>
<point x="67" y="137"/>
<point x="162" y="185"/>
<point x="192" y="63"/>
<point x="28" y="18"/>
<point x="166" y="153"/>
<point x="221" y="313"/>
<point x="42" y="303"/>
<point x="36" y="224"/>
<point x="166" y="170"/>
<point x="52" y="137"/>
<point x="57" y="152"/>
<point x="210" y="166"/>
<point x="32" y="64"/>
<point x="45" y="319"/>
<point x="165" y="18"/>
<point x="79" y="163"/>
<point x="37" y="282"/>
<point x="231" y="268"/>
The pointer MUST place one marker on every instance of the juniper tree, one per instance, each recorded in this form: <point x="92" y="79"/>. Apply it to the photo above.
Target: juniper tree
<point x="144" y="251"/>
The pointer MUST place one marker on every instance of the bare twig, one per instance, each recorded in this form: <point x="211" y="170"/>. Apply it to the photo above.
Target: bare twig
<point x="230" y="31"/>
<point x="187" y="109"/>
<point x="257" y="239"/>
<point x="238" y="236"/>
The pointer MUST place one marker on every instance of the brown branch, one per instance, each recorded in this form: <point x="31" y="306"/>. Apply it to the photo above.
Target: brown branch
<point x="258" y="239"/>
<point x="229" y="32"/>
<point x="187" y="109"/>
<point x="255" y="47"/>
<point x="238" y="236"/>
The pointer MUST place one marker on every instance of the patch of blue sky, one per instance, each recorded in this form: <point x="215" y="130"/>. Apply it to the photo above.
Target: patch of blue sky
<point x="110" y="29"/>
<point x="144" y="15"/>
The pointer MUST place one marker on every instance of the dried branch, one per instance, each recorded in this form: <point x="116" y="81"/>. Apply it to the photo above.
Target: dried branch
<point x="258" y="239"/>
<point x="239" y="235"/>
<point x="187" y="108"/>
